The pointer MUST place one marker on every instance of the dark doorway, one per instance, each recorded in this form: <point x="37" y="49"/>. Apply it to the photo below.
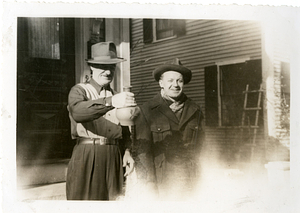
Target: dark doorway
<point x="45" y="74"/>
<point x="232" y="83"/>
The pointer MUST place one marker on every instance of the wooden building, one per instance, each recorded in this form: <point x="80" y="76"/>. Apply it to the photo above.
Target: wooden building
<point x="224" y="56"/>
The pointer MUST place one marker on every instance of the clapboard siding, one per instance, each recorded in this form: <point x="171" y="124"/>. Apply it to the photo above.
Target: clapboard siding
<point x="205" y="43"/>
<point x="205" y="47"/>
<point x="226" y="144"/>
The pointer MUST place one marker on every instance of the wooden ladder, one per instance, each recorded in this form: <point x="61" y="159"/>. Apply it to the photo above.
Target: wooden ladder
<point x="252" y="144"/>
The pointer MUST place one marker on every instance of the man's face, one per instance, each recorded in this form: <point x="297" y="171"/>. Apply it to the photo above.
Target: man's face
<point x="103" y="74"/>
<point x="172" y="83"/>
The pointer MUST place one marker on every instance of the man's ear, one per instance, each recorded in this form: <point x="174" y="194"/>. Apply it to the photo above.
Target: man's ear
<point x="160" y="83"/>
<point x="92" y="68"/>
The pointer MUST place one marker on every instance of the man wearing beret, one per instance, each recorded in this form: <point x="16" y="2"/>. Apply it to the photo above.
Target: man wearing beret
<point x="169" y="136"/>
<point x="95" y="171"/>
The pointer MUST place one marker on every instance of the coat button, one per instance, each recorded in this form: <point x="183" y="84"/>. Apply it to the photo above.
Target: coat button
<point x="158" y="129"/>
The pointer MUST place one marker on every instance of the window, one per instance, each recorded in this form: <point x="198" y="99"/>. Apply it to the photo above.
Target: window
<point x="43" y="34"/>
<point x="97" y="33"/>
<point x="164" y="28"/>
<point x="224" y="86"/>
<point x="161" y="29"/>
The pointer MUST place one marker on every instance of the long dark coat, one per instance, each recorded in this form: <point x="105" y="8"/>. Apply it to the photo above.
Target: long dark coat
<point x="166" y="149"/>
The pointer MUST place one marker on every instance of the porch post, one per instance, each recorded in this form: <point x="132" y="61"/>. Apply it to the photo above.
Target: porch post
<point x="82" y="35"/>
<point x="268" y="80"/>
<point x="117" y="30"/>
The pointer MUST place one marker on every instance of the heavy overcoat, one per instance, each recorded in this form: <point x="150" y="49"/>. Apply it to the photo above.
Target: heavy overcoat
<point x="167" y="149"/>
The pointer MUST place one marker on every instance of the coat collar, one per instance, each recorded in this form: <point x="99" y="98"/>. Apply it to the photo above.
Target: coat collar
<point x="188" y="110"/>
<point x="160" y="104"/>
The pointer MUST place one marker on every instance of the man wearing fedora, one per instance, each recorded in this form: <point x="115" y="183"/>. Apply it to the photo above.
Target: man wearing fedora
<point x="169" y="136"/>
<point x="95" y="170"/>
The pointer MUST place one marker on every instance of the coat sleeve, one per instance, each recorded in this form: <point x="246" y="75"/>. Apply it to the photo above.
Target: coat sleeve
<point x="200" y="134"/>
<point x="82" y="109"/>
<point x="142" y="150"/>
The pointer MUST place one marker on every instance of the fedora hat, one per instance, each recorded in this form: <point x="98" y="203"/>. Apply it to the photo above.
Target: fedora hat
<point x="104" y="53"/>
<point x="173" y="65"/>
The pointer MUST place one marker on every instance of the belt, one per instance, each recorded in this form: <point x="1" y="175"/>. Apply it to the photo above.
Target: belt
<point x="97" y="141"/>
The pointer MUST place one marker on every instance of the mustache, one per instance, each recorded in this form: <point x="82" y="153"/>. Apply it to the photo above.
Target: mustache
<point x="106" y="75"/>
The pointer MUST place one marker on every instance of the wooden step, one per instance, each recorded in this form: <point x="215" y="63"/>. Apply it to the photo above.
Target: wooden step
<point x="252" y="91"/>
<point x="253" y="108"/>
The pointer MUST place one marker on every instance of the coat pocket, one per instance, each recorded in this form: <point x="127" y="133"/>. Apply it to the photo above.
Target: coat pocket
<point x="191" y="133"/>
<point x="159" y="132"/>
